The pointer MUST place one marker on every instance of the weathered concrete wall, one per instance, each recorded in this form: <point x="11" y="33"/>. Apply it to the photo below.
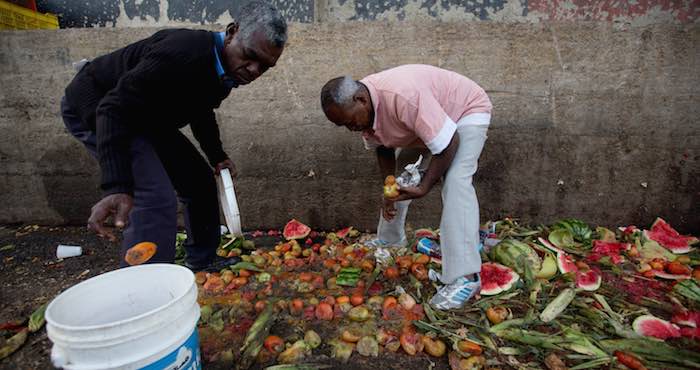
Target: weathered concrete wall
<point x="139" y="13"/>
<point x="589" y="121"/>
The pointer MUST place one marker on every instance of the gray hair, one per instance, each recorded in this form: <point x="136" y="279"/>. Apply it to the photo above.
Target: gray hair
<point x="259" y="15"/>
<point x="339" y="91"/>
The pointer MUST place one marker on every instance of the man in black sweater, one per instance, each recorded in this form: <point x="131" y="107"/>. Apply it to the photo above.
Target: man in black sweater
<point x="127" y="107"/>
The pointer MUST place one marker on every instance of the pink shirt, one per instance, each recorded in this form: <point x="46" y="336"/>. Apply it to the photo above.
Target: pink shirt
<point x="417" y="105"/>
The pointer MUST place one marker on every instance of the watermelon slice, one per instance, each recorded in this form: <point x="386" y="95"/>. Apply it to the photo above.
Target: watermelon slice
<point x="295" y="230"/>
<point x="348" y="231"/>
<point x="608" y="249"/>
<point x="690" y="332"/>
<point x="651" y="326"/>
<point x="496" y="278"/>
<point x="565" y="263"/>
<point x="667" y="276"/>
<point x="589" y="280"/>
<point x="667" y="236"/>
<point x="687" y="318"/>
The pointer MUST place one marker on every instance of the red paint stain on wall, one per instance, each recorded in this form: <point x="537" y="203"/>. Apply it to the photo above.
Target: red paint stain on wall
<point x="685" y="11"/>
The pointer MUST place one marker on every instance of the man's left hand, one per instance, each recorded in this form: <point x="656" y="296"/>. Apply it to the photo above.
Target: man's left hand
<point x="411" y="192"/>
<point x="227" y="163"/>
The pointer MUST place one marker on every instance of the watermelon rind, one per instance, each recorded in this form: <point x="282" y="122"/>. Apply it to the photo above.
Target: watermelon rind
<point x="493" y="288"/>
<point x="295" y="230"/>
<point x="652" y="326"/>
<point x="588" y="281"/>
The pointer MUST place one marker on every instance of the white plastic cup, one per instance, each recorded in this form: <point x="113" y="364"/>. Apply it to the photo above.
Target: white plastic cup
<point x="65" y="251"/>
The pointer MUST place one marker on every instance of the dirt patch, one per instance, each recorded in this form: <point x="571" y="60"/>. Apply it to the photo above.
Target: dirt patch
<point x="30" y="275"/>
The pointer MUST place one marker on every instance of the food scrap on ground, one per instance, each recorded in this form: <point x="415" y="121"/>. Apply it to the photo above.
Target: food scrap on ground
<point x="563" y="296"/>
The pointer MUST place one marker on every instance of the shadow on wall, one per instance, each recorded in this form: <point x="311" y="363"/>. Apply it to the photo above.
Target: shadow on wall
<point x="71" y="177"/>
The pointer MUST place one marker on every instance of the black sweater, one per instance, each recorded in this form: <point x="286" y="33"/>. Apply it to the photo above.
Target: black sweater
<point x="160" y="83"/>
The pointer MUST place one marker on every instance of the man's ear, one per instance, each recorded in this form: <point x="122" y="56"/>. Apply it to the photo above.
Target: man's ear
<point x="360" y="98"/>
<point x="231" y="29"/>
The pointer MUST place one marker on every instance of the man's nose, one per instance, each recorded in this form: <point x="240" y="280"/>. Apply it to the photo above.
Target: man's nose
<point x="254" y="70"/>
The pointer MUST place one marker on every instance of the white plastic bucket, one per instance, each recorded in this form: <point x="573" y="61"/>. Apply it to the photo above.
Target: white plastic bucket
<point x="139" y="317"/>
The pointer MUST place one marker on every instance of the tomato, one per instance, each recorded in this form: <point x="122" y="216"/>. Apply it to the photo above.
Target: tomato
<point x="419" y="271"/>
<point x="296" y="306"/>
<point x="391" y="273"/>
<point x="357" y="299"/>
<point x="324" y="311"/>
<point x="274" y="344"/>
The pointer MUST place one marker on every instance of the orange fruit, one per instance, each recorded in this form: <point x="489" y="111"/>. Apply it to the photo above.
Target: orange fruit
<point x="140" y="253"/>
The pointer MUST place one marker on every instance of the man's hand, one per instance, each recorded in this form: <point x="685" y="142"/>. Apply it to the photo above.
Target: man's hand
<point x="117" y="205"/>
<point x="227" y="163"/>
<point x="411" y="192"/>
<point x="388" y="208"/>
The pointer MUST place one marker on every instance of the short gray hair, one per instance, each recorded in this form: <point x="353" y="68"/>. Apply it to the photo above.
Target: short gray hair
<point x="260" y="15"/>
<point x="339" y="91"/>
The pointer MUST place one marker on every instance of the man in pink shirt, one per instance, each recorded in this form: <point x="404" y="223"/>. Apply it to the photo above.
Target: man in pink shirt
<point x="419" y="109"/>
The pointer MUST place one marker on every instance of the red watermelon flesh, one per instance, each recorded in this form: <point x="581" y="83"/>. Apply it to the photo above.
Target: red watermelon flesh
<point x="589" y="280"/>
<point x="687" y="318"/>
<point x="690" y="332"/>
<point x="295" y="230"/>
<point x="496" y="278"/>
<point x="343" y="232"/>
<point x="651" y="326"/>
<point x="607" y="249"/>
<point x="664" y="234"/>
<point x="565" y="263"/>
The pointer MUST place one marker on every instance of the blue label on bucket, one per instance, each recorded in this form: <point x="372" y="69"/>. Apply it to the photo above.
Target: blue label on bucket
<point x="186" y="357"/>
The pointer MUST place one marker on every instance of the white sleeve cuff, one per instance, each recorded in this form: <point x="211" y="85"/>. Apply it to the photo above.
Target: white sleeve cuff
<point x="443" y="138"/>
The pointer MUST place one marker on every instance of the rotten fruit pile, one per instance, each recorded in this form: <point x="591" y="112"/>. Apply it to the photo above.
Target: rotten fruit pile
<point x="559" y="296"/>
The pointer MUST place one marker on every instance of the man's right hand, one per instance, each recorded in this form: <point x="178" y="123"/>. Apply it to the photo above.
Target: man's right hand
<point x="388" y="209"/>
<point x="117" y="205"/>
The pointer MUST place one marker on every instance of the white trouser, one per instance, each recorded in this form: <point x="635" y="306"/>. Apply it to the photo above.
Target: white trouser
<point x="459" y="224"/>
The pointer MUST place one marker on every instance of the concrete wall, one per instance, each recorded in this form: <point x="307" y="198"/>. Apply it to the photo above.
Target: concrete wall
<point x="139" y="13"/>
<point x="590" y="121"/>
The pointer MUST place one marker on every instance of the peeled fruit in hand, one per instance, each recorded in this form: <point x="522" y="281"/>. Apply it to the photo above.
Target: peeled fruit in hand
<point x="497" y="314"/>
<point x="434" y="347"/>
<point x="391" y="188"/>
<point x="140" y="253"/>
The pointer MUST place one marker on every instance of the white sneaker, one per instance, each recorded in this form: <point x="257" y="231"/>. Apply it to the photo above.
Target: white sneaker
<point x="456" y="294"/>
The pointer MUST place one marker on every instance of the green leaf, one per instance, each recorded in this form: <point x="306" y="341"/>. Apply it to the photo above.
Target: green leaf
<point x="7" y="247"/>
<point x="37" y="320"/>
